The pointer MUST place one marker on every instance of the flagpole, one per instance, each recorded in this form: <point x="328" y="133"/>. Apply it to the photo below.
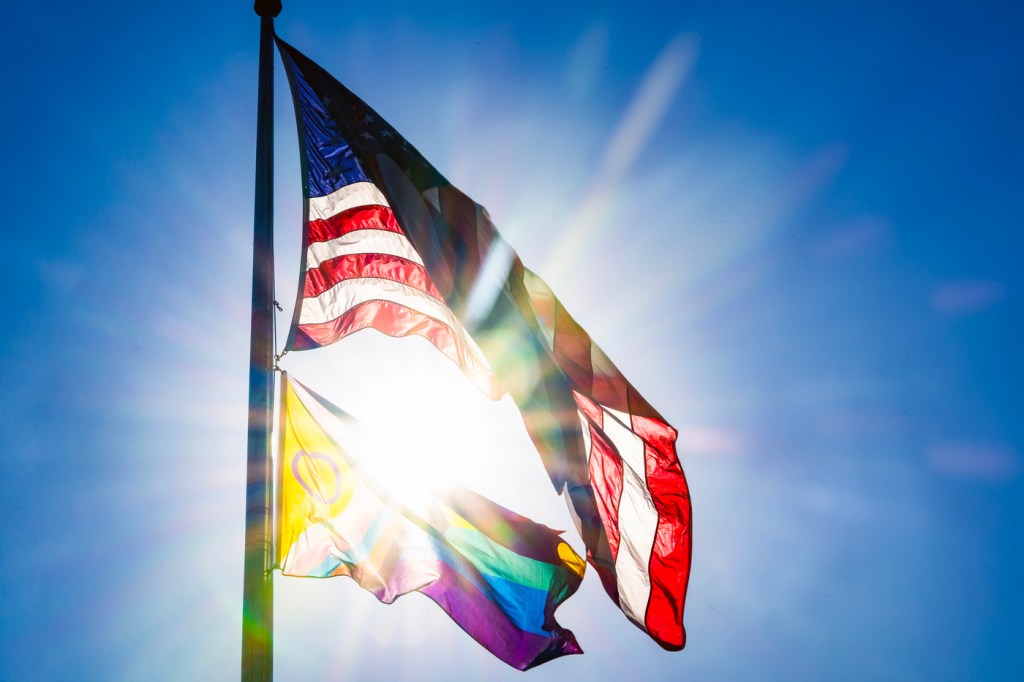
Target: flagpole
<point x="258" y="588"/>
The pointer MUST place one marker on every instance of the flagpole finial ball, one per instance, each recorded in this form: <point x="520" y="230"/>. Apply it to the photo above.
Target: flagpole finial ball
<point x="267" y="8"/>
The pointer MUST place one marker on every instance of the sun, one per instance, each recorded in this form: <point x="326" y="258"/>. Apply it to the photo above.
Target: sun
<point x="417" y="425"/>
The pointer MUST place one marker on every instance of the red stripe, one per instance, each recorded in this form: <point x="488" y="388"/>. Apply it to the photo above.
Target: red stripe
<point x="610" y="388"/>
<point x="606" y="477"/>
<point x="359" y="218"/>
<point x="605" y="471"/>
<point x="376" y="265"/>
<point x="588" y="407"/>
<point x="397" y="320"/>
<point x="670" y="555"/>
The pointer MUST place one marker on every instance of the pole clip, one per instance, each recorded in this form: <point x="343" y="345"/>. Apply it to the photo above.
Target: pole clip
<point x="277" y="359"/>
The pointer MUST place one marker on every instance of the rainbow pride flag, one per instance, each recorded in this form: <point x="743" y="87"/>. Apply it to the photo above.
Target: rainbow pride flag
<point x="498" y="575"/>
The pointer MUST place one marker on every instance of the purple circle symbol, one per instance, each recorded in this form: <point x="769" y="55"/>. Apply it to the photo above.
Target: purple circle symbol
<point x="309" y="466"/>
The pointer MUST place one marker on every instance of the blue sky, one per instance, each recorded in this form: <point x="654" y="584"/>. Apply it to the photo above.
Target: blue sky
<point x="797" y="231"/>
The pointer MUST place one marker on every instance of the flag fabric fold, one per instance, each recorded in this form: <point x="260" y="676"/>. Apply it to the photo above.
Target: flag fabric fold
<point x="391" y="245"/>
<point x="498" y="575"/>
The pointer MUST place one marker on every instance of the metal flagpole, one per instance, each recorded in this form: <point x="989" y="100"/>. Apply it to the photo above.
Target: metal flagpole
<point x="258" y="590"/>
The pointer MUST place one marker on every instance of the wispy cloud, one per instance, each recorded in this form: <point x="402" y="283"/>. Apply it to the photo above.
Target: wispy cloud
<point x="966" y="296"/>
<point x="61" y="275"/>
<point x="711" y="441"/>
<point x="853" y="240"/>
<point x="649" y="106"/>
<point x="979" y="461"/>
<point x="645" y="112"/>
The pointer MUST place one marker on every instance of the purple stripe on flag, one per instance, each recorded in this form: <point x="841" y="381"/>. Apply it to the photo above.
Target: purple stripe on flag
<point x="490" y="626"/>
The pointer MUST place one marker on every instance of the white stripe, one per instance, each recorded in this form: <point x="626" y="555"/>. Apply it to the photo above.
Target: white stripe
<point x="349" y="293"/>
<point x="349" y="196"/>
<point x="585" y="429"/>
<point x="362" y="241"/>
<point x="638" y="519"/>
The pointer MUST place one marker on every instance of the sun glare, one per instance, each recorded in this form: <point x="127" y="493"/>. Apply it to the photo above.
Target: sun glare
<point x="419" y="425"/>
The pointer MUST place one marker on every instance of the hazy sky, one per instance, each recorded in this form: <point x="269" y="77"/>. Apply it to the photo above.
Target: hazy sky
<point x="799" y="232"/>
